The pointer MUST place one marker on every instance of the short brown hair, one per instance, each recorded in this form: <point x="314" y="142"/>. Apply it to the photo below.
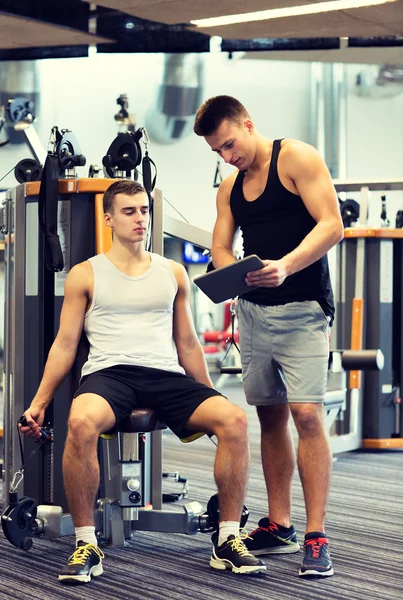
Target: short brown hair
<point x="215" y="110"/>
<point x="123" y="186"/>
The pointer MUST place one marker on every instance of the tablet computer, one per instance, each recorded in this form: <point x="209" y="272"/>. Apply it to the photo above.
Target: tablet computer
<point x="228" y="282"/>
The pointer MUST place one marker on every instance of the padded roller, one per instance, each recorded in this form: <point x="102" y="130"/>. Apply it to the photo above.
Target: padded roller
<point x="362" y="360"/>
<point x="231" y="370"/>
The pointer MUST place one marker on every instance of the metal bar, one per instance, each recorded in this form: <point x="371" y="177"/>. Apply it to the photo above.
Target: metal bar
<point x="188" y="233"/>
<point x="186" y="521"/>
<point x="8" y="345"/>
<point x="156" y="469"/>
<point x="35" y="144"/>
<point x="17" y="365"/>
<point x="156" y="437"/>
<point x="373" y="185"/>
<point x="345" y="443"/>
<point x="158" y="223"/>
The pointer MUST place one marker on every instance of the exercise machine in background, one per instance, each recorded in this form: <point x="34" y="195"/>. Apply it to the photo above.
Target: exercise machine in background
<point x="19" y="114"/>
<point x="369" y="314"/>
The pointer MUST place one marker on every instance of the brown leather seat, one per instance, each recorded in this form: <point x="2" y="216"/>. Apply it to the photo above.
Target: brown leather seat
<point x="141" y="420"/>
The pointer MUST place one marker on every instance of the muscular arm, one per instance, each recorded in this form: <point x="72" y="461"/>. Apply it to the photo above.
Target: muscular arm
<point x="311" y="177"/>
<point x="224" y="228"/>
<point x="63" y="351"/>
<point x="190" y="351"/>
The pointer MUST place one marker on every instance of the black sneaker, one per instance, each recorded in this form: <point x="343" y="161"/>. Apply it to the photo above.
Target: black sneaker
<point x="84" y="563"/>
<point x="270" y="538"/>
<point x="234" y="555"/>
<point x="317" y="561"/>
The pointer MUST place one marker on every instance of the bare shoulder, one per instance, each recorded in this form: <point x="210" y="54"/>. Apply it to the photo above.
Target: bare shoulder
<point x="229" y="181"/>
<point x="181" y="276"/>
<point x="179" y="271"/>
<point x="297" y="150"/>
<point x="299" y="158"/>
<point x="224" y="191"/>
<point x="80" y="277"/>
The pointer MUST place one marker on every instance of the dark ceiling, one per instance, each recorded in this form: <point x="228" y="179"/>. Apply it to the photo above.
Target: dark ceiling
<point x="36" y="29"/>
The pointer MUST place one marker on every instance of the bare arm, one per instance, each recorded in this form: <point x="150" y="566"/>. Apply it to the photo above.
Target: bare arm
<point x="309" y="174"/>
<point x="224" y="228"/>
<point x="190" y="351"/>
<point x="63" y="351"/>
<point x="312" y="179"/>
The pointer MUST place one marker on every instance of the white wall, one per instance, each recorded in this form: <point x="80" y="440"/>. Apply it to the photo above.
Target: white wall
<point x="375" y="143"/>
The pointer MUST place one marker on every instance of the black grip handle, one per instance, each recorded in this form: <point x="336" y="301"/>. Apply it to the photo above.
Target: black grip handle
<point x="44" y="434"/>
<point x="231" y="370"/>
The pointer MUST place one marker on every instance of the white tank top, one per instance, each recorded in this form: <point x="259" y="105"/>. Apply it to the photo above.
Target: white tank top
<point x="130" y="320"/>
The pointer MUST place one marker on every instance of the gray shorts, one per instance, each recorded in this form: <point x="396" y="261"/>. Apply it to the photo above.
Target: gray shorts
<point x="284" y="352"/>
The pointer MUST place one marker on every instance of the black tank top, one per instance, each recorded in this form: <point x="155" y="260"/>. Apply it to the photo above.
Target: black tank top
<point x="272" y="226"/>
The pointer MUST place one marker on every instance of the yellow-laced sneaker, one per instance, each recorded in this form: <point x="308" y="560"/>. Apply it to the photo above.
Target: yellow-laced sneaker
<point x="84" y="563"/>
<point x="234" y="555"/>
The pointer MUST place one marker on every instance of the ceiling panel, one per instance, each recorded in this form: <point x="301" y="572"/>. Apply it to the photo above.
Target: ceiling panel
<point x="370" y="56"/>
<point x="385" y="20"/>
<point x="22" y="33"/>
<point x="184" y="11"/>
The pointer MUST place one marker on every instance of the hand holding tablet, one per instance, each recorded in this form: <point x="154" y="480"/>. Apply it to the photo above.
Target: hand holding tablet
<point x="229" y="281"/>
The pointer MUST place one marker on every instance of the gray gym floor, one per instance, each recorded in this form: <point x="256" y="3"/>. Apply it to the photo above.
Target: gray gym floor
<point x="365" y="517"/>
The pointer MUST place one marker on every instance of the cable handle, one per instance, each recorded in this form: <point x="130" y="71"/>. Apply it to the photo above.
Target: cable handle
<point x="233" y="316"/>
<point x="45" y="435"/>
<point x="231" y="339"/>
<point x="53" y="140"/>
<point x="146" y="139"/>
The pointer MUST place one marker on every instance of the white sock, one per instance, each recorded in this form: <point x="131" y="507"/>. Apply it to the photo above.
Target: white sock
<point x="226" y="529"/>
<point x="86" y="534"/>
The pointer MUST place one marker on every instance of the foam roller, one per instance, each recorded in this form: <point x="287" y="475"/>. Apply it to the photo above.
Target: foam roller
<point x="362" y="360"/>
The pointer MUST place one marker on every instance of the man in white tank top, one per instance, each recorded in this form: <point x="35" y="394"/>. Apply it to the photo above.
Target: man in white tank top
<point x="144" y="351"/>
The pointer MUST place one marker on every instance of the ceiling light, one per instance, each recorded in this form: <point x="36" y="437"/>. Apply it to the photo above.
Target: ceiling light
<point x="288" y="11"/>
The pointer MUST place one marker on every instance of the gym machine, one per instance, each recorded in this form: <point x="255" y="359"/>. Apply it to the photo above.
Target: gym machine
<point x="369" y="313"/>
<point x="20" y="114"/>
<point x="130" y="495"/>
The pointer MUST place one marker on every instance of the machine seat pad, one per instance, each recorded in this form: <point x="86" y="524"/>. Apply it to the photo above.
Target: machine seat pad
<point x="141" y="420"/>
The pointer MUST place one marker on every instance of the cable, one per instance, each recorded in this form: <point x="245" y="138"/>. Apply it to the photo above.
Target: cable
<point x="184" y="218"/>
<point x="4" y="176"/>
<point x="23" y="459"/>
<point x="179" y="213"/>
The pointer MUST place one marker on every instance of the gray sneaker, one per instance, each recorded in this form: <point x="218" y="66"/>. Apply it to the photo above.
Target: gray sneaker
<point x="270" y="538"/>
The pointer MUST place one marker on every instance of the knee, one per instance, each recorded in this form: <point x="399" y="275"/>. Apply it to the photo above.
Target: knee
<point x="273" y="417"/>
<point x="81" y="431"/>
<point x="308" y="418"/>
<point x="234" y="425"/>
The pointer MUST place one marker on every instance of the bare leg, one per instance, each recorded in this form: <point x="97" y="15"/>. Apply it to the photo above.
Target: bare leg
<point x="314" y="461"/>
<point x="80" y="461"/>
<point x="278" y="459"/>
<point x="229" y="423"/>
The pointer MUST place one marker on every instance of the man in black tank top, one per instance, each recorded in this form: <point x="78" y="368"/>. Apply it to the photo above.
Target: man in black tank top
<point x="283" y="200"/>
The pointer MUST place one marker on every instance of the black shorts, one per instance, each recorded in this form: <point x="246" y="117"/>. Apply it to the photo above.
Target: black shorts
<point x="173" y="396"/>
